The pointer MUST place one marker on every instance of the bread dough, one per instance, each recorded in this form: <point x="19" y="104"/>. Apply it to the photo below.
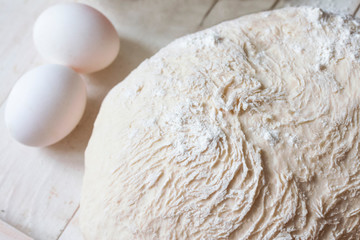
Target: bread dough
<point x="246" y="130"/>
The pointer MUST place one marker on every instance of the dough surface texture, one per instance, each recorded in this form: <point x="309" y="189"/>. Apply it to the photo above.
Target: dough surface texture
<point x="246" y="130"/>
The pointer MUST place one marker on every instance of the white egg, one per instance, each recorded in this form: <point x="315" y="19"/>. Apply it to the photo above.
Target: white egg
<point x="76" y="35"/>
<point x="45" y="105"/>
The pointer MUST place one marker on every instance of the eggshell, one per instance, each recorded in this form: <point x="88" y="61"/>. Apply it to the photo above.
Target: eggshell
<point x="76" y="35"/>
<point x="45" y="105"/>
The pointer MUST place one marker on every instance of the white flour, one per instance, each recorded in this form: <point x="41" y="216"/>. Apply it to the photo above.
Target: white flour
<point x="247" y="130"/>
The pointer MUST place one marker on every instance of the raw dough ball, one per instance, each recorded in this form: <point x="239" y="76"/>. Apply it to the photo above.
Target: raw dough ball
<point x="247" y="130"/>
<point x="76" y="35"/>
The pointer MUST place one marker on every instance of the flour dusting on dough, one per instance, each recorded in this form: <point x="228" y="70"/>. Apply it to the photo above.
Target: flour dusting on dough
<point x="247" y="130"/>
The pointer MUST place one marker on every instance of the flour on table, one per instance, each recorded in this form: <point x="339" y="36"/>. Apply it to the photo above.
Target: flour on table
<point x="246" y="130"/>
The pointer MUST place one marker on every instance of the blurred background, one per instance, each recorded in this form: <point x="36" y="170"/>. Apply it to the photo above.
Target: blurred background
<point x="40" y="188"/>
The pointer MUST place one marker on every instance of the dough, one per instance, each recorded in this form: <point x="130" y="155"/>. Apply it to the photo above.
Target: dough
<point x="246" y="130"/>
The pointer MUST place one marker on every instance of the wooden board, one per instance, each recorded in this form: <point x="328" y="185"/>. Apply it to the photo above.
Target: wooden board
<point x="72" y="231"/>
<point x="40" y="188"/>
<point x="7" y="232"/>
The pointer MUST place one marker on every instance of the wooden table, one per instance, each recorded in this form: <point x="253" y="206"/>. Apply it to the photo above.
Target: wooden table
<point x="40" y="187"/>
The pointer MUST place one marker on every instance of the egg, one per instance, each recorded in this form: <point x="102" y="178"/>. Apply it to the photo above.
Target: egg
<point x="45" y="105"/>
<point x="76" y="35"/>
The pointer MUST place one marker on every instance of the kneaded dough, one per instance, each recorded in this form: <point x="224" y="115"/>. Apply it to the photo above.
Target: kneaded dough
<point x="246" y="130"/>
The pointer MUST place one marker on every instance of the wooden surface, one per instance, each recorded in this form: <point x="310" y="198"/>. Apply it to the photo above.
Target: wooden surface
<point x="40" y="188"/>
<point x="8" y="232"/>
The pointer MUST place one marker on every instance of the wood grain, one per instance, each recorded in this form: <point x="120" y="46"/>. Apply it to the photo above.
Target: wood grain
<point x="72" y="231"/>
<point x="7" y="232"/>
<point x="230" y="9"/>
